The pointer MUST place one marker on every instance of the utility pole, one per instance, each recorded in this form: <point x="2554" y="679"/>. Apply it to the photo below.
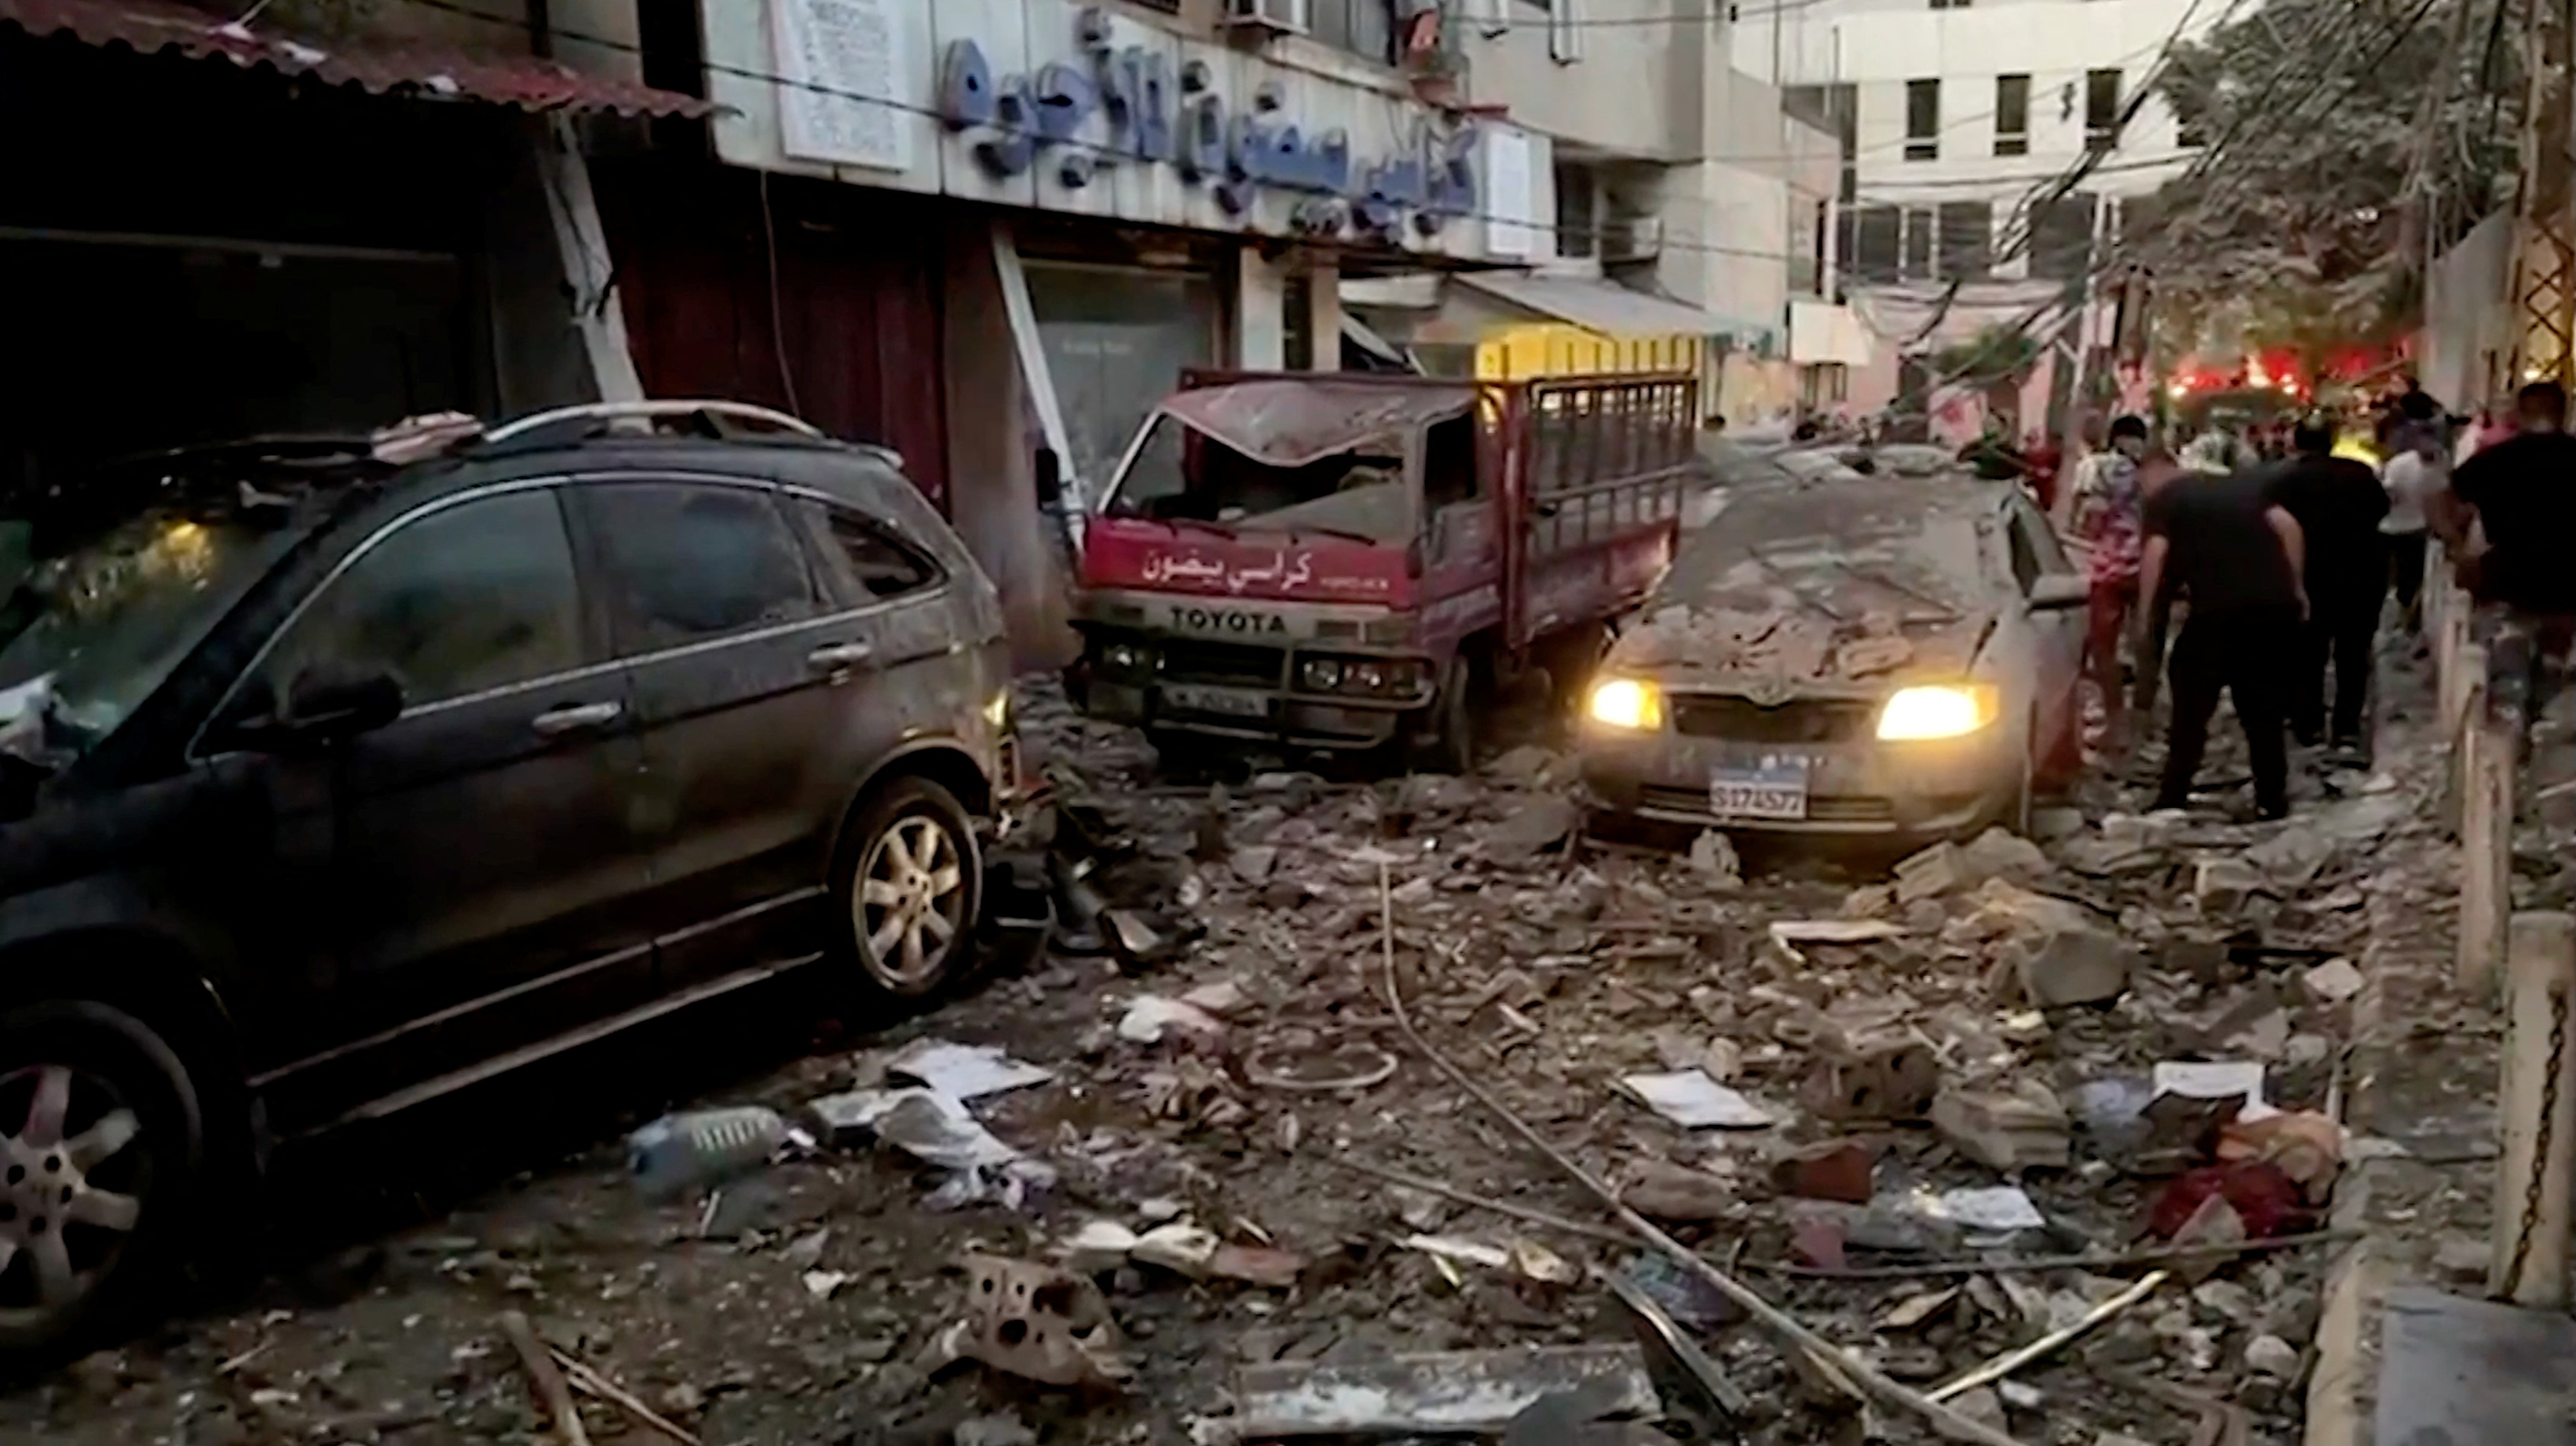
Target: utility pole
<point x="2544" y="263"/>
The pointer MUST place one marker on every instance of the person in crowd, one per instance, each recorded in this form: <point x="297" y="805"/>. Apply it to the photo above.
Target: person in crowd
<point x="2339" y="505"/>
<point x="2041" y="452"/>
<point x="2106" y="518"/>
<point x="2521" y="494"/>
<point x="2412" y="479"/>
<point x="2226" y="549"/>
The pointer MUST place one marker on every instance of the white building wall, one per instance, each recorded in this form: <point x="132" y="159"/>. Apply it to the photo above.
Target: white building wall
<point x="1879" y="46"/>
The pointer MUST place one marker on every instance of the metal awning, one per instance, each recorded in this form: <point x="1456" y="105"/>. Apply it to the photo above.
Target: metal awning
<point x="1294" y="423"/>
<point x="1600" y="306"/>
<point x="379" y="67"/>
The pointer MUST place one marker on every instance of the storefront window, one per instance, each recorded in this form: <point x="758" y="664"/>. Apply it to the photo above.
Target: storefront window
<point x="1116" y="342"/>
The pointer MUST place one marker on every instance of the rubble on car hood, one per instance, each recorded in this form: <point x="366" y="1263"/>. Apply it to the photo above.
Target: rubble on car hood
<point x="1842" y="580"/>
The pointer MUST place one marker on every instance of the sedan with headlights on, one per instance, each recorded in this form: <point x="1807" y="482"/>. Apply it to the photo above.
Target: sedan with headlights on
<point x="1871" y="656"/>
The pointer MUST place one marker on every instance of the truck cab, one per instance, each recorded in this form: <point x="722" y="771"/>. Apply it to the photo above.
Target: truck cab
<point x="1332" y="563"/>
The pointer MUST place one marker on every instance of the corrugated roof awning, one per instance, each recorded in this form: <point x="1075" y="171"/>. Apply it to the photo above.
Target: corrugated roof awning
<point x="379" y="67"/>
<point x="1601" y="306"/>
<point x="1293" y="423"/>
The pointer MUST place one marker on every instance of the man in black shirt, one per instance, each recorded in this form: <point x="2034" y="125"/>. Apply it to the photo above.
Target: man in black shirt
<point x="2338" y="503"/>
<point x="2235" y="556"/>
<point x="2523" y="491"/>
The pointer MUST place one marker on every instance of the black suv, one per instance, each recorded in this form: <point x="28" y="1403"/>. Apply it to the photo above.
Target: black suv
<point x="329" y="785"/>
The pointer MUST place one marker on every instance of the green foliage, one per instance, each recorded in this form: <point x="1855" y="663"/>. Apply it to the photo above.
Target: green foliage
<point x="2302" y="234"/>
<point x="1997" y="354"/>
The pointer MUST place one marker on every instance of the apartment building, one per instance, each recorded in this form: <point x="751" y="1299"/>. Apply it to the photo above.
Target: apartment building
<point x="1952" y="116"/>
<point x="1661" y="199"/>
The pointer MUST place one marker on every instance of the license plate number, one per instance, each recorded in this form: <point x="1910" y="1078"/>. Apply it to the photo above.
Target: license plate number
<point x="1770" y="788"/>
<point x="1223" y="702"/>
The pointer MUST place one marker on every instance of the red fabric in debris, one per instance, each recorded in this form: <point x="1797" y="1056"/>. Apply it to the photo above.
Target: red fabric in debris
<point x="500" y="76"/>
<point x="2267" y="1200"/>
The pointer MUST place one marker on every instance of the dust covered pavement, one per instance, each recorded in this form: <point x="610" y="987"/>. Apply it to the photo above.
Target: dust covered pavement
<point x="1906" y="1091"/>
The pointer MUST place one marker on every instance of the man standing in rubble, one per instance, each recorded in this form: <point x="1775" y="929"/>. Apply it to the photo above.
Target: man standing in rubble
<point x="2523" y="489"/>
<point x="2339" y="505"/>
<point x="2105" y="515"/>
<point x="2235" y="556"/>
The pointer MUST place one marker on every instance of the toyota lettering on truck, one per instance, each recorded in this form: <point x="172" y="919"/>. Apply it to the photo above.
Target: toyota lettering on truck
<point x="1338" y="563"/>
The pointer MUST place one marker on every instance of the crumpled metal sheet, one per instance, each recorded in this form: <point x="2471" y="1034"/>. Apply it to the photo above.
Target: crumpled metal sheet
<point x="1285" y="423"/>
<point x="378" y="66"/>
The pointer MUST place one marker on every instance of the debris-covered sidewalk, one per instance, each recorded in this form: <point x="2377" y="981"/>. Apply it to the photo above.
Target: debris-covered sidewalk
<point x="1367" y="1110"/>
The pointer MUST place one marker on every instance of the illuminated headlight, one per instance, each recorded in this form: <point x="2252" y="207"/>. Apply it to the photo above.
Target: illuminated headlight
<point x="1941" y="711"/>
<point x="1626" y="703"/>
<point x="1368" y="677"/>
<point x="1123" y="658"/>
<point x="998" y="712"/>
<point x="1321" y="675"/>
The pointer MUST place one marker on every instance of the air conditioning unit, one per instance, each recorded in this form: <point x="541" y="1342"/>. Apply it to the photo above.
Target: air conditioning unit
<point x="1280" y="17"/>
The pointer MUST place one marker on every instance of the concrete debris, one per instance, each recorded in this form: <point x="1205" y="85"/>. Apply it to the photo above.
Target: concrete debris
<point x="1997" y="1209"/>
<point x="1713" y="860"/>
<point x="1982" y="1406"/>
<point x="1468" y="1392"/>
<point x="1660" y="1190"/>
<point x="2009" y="1130"/>
<point x="2215" y="1080"/>
<point x="1873" y="1078"/>
<point x="2053" y="825"/>
<point x="1151" y="1019"/>
<point x="2220" y="886"/>
<point x="1844" y="1170"/>
<point x="1941" y="869"/>
<point x="1253" y="863"/>
<point x="2079" y="965"/>
<point x="1000" y="1429"/>
<point x="2305" y="1145"/>
<point x="1788" y="934"/>
<point x="2000" y="854"/>
<point x="1137" y="943"/>
<point x="2333" y="982"/>
<point x="1035" y="1322"/>
<point x="1917" y="1309"/>
<point x="1536" y="823"/>
<point x="1524" y="767"/>
<point x="1690" y="1099"/>
<point x="2273" y="1357"/>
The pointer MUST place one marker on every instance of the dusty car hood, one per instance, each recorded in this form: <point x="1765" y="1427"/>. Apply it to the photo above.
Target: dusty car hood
<point x="1835" y="586"/>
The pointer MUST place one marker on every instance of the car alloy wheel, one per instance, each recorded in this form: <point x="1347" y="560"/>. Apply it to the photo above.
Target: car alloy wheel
<point x="911" y="902"/>
<point x="72" y="1183"/>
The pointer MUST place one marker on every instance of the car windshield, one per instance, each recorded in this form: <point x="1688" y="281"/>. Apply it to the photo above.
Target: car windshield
<point x="93" y="615"/>
<point x="1360" y="492"/>
<point x="1905" y="546"/>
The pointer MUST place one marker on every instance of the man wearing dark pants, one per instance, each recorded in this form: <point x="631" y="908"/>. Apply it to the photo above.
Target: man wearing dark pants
<point x="2338" y="503"/>
<point x="2235" y="556"/>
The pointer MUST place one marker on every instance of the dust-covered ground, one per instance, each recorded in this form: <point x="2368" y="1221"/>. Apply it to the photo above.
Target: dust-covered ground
<point x="1281" y="1110"/>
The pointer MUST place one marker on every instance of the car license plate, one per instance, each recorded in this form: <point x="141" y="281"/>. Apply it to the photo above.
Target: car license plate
<point x="1770" y="787"/>
<point x="1223" y="702"/>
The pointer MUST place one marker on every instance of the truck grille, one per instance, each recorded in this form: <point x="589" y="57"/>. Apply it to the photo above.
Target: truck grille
<point x="1741" y="720"/>
<point x="1187" y="660"/>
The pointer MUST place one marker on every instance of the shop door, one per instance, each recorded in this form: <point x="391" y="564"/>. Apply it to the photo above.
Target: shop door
<point x="1116" y="343"/>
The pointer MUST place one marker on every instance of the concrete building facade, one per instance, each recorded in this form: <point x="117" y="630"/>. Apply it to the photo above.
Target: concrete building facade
<point x="1952" y="116"/>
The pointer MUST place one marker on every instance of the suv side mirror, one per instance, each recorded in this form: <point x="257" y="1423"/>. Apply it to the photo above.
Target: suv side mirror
<point x="322" y="708"/>
<point x="2058" y="591"/>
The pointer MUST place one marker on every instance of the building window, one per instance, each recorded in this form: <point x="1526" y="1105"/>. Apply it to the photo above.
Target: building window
<point x="1967" y="240"/>
<point x="1365" y="28"/>
<point x="1577" y="198"/>
<point x="1922" y="120"/>
<point x="2012" y="115"/>
<point x="2101" y="109"/>
<point x="1915" y="262"/>
<point x="1949" y="4"/>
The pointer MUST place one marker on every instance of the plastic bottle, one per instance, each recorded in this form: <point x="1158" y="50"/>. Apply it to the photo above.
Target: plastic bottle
<point x="679" y="1153"/>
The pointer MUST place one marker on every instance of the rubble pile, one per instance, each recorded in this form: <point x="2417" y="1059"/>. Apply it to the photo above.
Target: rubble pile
<point x="2042" y="1131"/>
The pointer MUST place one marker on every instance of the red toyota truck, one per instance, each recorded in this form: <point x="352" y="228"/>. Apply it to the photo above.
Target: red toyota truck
<point x="1311" y="562"/>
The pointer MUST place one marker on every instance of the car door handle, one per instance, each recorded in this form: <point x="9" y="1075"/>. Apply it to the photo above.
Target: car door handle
<point x="574" y="717"/>
<point x="832" y="656"/>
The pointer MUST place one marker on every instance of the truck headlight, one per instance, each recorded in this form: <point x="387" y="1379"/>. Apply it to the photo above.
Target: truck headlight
<point x="1626" y="703"/>
<point x="1321" y="675"/>
<point x="998" y="712"/>
<point x="1937" y="711"/>
<point x="1125" y="658"/>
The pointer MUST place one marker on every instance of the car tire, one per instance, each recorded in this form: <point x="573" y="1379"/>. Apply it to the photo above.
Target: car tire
<point x="1450" y="744"/>
<point x="909" y="892"/>
<point x="102" y="1147"/>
